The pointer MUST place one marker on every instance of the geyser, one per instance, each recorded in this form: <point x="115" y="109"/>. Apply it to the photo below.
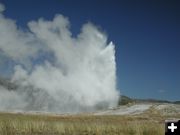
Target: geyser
<point x="55" y="71"/>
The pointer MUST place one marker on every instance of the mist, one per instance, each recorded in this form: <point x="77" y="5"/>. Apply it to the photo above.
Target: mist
<point x="55" y="71"/>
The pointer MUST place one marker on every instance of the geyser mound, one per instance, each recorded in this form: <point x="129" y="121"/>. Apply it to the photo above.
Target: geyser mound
<point x="55" y="71"/>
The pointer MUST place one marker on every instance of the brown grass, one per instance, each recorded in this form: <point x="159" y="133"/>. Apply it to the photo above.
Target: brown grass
<point x="28" y="124"/>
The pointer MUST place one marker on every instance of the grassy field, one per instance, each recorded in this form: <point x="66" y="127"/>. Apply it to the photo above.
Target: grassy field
<point x="150" y="123"/>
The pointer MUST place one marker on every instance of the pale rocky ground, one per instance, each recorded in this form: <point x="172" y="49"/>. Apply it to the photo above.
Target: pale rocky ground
<point x="164" y="109"/>
<point x="139" y="108"/>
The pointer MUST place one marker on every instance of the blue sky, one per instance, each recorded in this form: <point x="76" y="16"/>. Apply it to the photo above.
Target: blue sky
<point x="146" y="35"/>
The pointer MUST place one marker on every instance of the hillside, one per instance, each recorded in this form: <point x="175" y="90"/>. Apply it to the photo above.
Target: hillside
<point x="124" y="100"/>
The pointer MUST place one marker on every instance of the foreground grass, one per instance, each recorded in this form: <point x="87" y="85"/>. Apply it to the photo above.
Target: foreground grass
<point x="26" y="124"/>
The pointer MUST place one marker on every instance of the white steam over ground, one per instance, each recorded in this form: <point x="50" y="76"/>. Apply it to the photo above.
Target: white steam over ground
<point x="54" y="71"/>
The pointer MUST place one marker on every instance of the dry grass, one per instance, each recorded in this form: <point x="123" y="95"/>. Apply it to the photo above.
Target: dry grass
<point x="26" y="124"/>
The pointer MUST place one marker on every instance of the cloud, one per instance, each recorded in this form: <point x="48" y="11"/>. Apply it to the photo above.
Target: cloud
<point x="79" y="75"/>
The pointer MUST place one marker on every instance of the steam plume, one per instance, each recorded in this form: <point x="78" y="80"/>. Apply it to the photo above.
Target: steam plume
<point x="53" y="70"/>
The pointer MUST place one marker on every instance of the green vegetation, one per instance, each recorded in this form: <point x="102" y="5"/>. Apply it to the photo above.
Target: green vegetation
<point x="124" y="100"/>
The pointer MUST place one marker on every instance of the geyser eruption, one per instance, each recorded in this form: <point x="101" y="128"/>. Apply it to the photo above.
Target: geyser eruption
<point x="53" y="70"/>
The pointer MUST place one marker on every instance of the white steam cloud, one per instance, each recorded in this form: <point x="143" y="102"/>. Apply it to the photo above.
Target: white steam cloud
<point x="56" y="72"/>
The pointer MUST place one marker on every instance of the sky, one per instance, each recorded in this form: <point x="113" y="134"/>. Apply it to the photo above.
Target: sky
<point x="146" y="37"/>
